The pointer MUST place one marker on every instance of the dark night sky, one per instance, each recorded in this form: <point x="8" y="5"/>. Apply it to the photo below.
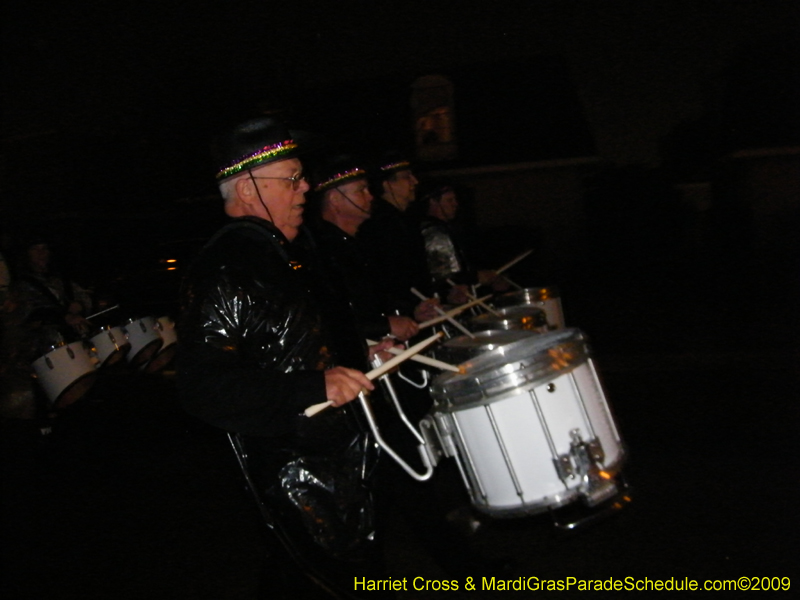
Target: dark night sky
<point x="133" y="90"/>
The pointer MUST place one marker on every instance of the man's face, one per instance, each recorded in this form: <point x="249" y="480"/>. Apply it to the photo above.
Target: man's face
<point x="448" y="206"/>
<point x="354" y="200"/>
<point x="285" y="203"/>
<point x="39" y="258"/>
<point x="399" y="190"/>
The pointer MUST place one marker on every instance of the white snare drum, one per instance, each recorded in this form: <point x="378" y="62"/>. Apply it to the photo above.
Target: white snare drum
<point x="546" y="298"/>
<point x="529" y="426"/>
<point x="525" y="318"/>
<point x="169" y="338"/>
<point x="110" y="345"/>
<point x="144" y="340"/>
<point x="65" y="373"/>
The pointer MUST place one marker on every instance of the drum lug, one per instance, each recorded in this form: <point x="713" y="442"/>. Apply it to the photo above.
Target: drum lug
<point x="445" y="435"/>
<point x="595" y="450"/>
<point x="564" y="467"/>
<point x="431" y="447"/>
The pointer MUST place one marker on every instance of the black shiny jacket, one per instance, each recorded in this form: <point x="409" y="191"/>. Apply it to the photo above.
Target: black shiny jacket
<point x="253" y="343"/>
<point x="445" y="254"/>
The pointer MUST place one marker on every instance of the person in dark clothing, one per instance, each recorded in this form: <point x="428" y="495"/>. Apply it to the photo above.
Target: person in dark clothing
<point x="45" y="296"/>
<point x="45" y="310"/>
<point x="345" y="203"/>
<point x="393" y="245"/>
<point x="445" y="251"/>
<point x="258" y="347"/>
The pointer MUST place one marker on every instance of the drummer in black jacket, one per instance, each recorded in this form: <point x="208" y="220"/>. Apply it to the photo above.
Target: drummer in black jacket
<point x="445" y="250"/>
<point x="393" y="245"/>
<point x="346" y="207"/>
<point x="344" y="203"/>
<point x="258" y="347"/>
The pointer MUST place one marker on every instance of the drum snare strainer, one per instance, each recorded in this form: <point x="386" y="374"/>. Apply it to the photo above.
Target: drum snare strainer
<point x="529" y="426"/>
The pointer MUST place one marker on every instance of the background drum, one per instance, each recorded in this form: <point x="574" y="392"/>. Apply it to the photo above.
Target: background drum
<point x="144" y="340"/>
<point x="169" y="344"/>
<point x="546" y="298"/>
<point x="525" y="318"/>
<point x="65" y="373"/>
<point x="529" y="426"/>
<point x="110" y="345"/>
<point x="460" y="349"/>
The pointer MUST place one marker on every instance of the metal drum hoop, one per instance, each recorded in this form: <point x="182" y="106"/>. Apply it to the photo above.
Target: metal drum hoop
<point x="488" y="377"/>
<point x="527" y="296"/>
<point x="525" y="318"/>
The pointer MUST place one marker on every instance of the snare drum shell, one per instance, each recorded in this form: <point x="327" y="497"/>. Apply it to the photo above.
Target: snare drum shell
<point x="65" y="373"/>
<point x="546" y="298"/>
<point x="169" y="337"/>
<point x="144" y="340"/>
<point x="110" y="345"/>
<point x="507" y="443"/>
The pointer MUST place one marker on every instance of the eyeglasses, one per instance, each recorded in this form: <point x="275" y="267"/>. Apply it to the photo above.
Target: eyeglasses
<point x="295" y="179"/>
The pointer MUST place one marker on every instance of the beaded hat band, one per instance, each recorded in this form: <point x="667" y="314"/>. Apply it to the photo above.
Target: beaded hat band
<point x="396" y="166"/>
<point x="265" y="154"/>
<point x="340" y="178"/>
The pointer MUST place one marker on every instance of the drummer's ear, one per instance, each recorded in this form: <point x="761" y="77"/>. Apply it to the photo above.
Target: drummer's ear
<point x="245" y="190"/>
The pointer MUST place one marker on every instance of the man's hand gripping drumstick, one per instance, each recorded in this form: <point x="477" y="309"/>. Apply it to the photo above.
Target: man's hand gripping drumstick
<point x="430" y="362"/>
<point x="481" y="303"/>
<point x="346" y="384"/>
<point x="442" y="313"/>
<point x="454" y="312"/>
<point x="510" y="264"/>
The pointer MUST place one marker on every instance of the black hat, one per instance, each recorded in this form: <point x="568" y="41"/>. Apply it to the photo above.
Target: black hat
<point x="388" y="164"/>
<point x="434" y="189"/>
<point x="258" y="142"/>
<point x="338" y="169"/>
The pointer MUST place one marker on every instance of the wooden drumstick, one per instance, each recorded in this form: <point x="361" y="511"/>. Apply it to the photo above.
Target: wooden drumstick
<point x="472" y="296"/>
<point x="453" y="312"/>
<point x="511" y="263"/>
<point x="425" y="360"/>
<point x="378" y="371"/>
<point x="97" y="314"/>
<point x="442" y="313"/>
<point x="519" y="287"/>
